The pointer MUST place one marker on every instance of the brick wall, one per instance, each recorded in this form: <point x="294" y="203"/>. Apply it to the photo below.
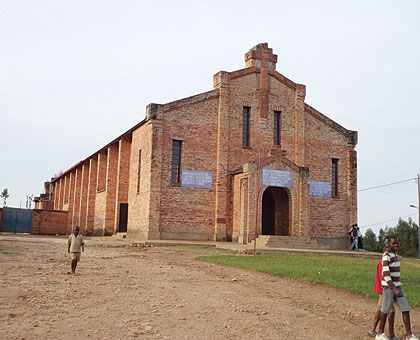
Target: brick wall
<point x="123" y="176"/>
<point x="91" y="195"/>
<point x="49" y="222"/>
<point x="190" y="212"/>
<point x="139" y="213"/>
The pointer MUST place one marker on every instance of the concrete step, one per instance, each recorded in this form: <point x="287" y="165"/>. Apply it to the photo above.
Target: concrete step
<point x="290" y="242"/>
<point x="119" y="235"/>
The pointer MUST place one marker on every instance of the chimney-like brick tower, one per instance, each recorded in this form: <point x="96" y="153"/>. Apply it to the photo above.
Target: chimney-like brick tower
<point x="265" y="61"/>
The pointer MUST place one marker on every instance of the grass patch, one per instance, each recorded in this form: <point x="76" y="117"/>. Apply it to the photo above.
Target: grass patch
<point x="47" y="283"/>
<point x="10" y="250"/>
<point x="202" y="249"/>
<point x="356" y="275"/>
<point x="59" y="260"/>
<point x="194" y="248"/>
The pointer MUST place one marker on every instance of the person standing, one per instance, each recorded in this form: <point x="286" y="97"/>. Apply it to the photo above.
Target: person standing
<point x="359" y="238"/>
<point x="392" y="290"/>
<point x="76" y="246"/>
<point x="353" y="237"/>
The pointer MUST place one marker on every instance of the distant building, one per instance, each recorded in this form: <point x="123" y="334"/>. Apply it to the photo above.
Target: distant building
<point x="191" y="169"/>
<point x="45" y="201"/>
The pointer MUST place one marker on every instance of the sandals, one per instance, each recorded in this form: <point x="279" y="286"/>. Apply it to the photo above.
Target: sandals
<point x="371" y="334"/>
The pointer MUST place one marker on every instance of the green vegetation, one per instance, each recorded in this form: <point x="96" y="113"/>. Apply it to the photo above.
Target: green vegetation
<point x="406" y="231"/>
<point x="352" y="274"/>
<point x="200" y="249"/>
<point x="194" y="248"/>
<point x="4" y="195"/>
<point x="9" y="249"/>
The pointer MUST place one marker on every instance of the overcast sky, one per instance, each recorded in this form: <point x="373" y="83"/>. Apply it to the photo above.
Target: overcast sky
<point x="74" y="75"/>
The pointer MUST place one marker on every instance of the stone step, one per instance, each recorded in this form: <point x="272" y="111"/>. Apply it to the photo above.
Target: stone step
<point x="291" y="242"/>
<point x="119" y="235"/>
<point x="283" y="237"/>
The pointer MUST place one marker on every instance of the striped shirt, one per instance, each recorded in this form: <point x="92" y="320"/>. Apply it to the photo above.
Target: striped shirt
<point x="390" y="270"/>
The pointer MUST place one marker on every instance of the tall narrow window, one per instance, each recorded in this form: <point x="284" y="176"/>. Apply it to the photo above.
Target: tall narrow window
<point x="334" y="179"/>
<point x="139" y="173"/>
<point x="277" y="125"/>
<point x="176" y="161"/>
<point x="245" y="126"/>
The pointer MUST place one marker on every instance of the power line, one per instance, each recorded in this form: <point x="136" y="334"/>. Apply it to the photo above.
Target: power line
<point x="394" y="219"/>
<point x="385" y="185"/>
<point x="385" y="192"/>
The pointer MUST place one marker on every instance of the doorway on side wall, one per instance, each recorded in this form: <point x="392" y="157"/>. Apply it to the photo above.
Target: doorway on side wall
<point x="275" y="211"/>
<point x="122" y="228"/>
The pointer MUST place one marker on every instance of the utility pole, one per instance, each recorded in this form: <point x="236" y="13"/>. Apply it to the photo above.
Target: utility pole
<point x="418" y="206"/>
<point x="258" y="198"/>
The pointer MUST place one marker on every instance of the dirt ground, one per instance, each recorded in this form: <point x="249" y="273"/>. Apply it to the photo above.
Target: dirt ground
<point x="164" y="293"/>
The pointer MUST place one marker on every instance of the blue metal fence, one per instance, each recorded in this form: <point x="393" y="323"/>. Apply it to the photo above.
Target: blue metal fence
<point x="16" y="220"/>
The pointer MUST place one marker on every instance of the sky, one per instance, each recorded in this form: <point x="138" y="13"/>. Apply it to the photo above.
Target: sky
<point x="75" y="75"/>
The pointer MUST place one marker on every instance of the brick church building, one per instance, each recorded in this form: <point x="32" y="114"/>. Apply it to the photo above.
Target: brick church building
<point x="248" y="155"/>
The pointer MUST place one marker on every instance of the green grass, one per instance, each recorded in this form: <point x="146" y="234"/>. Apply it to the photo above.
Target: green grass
<point x="200" y="249"/>
<point x="351" y="274"/>
<point x="194" y="248"/>
<point x="10" y="249"/>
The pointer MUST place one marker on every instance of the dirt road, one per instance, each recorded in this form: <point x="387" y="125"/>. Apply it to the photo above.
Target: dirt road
<point x="164" y="293"/>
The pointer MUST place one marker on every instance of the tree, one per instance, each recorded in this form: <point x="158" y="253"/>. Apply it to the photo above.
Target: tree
<point x="369" y="241"/>
<point x="58" y="174"/>
<point x="29" y="200"/>
<point x="4" y="195"/>
<point x="382" y="239"/>
<point x="407" y="233"/>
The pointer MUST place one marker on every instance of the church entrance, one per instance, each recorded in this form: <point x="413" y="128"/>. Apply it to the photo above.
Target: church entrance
<point x="275" y="211"/>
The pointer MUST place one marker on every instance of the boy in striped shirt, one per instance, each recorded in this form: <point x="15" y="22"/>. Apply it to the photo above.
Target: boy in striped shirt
<point x="392" y="290"/>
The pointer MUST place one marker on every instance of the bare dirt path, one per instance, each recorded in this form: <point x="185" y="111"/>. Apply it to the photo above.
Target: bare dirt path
<point x="164" y="293"/>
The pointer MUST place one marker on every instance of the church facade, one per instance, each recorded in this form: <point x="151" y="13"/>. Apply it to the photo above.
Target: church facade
<point x="249" y="156"/>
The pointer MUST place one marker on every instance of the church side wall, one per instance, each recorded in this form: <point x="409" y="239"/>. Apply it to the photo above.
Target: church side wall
<point x="99" y="215"/>
<point x="123" y="173"/>
<point x="187" y="212"/>
<point x="328" y="217"/>
<point x="138" y="226"/>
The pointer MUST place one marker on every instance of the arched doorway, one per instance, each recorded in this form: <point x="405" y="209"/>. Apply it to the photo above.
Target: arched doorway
<point x="268" y="213"/>
<point x="275" y="211"/>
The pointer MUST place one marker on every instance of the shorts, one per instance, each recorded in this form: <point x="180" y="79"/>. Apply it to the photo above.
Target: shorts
<point x="389" y="296"/>
<point x="392" y="310"/>
<point x="75" y="256"/>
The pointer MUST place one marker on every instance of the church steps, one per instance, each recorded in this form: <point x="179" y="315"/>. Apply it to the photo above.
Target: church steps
<point x="291" y="242"/>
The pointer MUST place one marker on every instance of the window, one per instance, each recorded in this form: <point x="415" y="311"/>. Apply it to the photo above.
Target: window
<point x="245" y="126"/>
<point x="334" y="179"/>
<point x="176" y="161"/>
<point x="277" y="124"/>
<point x="139" y="173"/>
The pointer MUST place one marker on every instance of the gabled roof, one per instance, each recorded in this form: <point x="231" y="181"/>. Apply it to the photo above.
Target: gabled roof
<point x="351" y="135"/>
<point x="125" y="134"/>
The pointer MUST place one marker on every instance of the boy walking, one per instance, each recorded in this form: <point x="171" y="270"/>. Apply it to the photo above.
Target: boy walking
<point x="378" y="289"/>
<point x="392" y="290"/>
<point x="75" y="247"/>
